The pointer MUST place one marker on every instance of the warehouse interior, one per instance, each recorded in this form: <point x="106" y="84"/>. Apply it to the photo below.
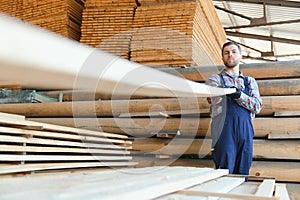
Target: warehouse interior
<point x="138" y="135"/>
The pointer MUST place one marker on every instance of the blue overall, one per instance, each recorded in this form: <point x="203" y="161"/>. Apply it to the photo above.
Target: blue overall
<point x="232" y="136"/>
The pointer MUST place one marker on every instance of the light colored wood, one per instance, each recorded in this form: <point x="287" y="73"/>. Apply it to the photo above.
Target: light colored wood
<point x="144" y="183"/>
<point x="60" y="158"/>
<point x="69" y="69"/>
<point x="294" y="113"/>
<point x="57" y="128"/>
<point x="266" y="188"/>
<point x="272" y="70"/>
<point x="11" y="116"/>
<point x="271" y="105"/>
<point x="61" y="136"/>
<point x="51" y="166"/>
<point x="188" y="126"/>
<point x="284" y="136"/>
<point x="44" y="149"/>
<point x="19" y="139"/>
<point x="281" y="191"/>
<point x="229" y="196"/>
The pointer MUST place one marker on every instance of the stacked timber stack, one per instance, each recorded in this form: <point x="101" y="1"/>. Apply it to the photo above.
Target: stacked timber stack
<point x="176" y="131"/>
<point x="31" y="146"/>
<point x="108" y="25"/>
<point x="176" y="33"/>
<point x="155" y="33"/>
<point x="61" y="17"/>
<point x="12" y="8"/>
<point x="147" y="183"/>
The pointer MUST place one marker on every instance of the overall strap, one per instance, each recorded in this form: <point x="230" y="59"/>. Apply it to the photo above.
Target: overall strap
<point x="247" y="85"/>
<point x="223" y="84"/>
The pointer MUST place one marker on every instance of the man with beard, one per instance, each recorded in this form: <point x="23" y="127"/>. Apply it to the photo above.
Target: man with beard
<point x="231" y="128"/>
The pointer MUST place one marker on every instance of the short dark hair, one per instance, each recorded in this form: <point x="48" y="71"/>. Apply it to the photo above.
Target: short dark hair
<point x="231" y="43"/>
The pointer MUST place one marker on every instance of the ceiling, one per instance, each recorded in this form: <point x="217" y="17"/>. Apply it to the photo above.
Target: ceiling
<point x="268" y="30"/>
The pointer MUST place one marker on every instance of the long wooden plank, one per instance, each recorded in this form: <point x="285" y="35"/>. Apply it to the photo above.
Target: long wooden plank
<point x="266" y="188"/>
<point x="262" y="149"/>
<point x="16" y="139"/>
<point x="222" y="195"/>
<point x="271" y="105"/>
<point x="80" y="67"/>
<point x="60" y="158"/>
<point x="146" y="183"/>
<point x="284" y="136"/>
<point x="188" y="126"/>
<point x="69" y="165"/>
<point x="281" y="171"/>
<point x="26" y="123"/>
<point x="46" y="149"/>
<point x="272" y="70"/>
<point x="295" y="113"/>
<point x="61" y="136"/>
<point x="281" y="191"/>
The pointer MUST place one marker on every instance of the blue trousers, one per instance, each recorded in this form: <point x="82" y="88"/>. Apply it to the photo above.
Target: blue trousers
<point x="232" y="139"/>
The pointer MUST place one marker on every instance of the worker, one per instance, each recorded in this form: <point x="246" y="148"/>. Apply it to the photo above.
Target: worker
<point x="231" y="126"/>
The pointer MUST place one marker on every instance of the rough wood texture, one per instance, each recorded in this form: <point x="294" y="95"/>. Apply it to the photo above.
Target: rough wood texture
<point x="61" y="17"/>
<point x="155" y="34"/>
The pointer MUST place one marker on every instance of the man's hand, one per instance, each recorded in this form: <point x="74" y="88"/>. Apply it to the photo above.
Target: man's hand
<point x="235" y="95"/>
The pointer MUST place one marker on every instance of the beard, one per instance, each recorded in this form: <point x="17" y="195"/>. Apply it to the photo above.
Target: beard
<point x="230" y="63"/>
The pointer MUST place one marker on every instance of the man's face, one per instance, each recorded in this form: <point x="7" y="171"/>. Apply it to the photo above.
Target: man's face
<point x="231" y="56"/>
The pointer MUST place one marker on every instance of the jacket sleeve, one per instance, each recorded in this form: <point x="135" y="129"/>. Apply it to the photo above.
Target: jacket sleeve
<point x="252" y="102"/>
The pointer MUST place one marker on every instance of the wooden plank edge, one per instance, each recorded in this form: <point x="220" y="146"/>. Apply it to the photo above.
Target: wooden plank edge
<point x="52" y="166"/>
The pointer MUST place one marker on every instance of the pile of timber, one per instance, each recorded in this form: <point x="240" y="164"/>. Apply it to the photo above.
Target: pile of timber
<point x="144" y="183"/>
<point x="61" y="17"/>
<point x="155" y="33"/>
<point x="32" y="146"/>
<point x="179" y="128"/>
<point x="108" y="25"/>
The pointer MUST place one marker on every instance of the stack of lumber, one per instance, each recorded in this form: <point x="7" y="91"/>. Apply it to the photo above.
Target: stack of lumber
<point x="178" y="129"/>
<point x="143" y="183"/>
<point x="107" y="25"/>
<point x="61" y="17"/>
<point x="155" y="33"/>
<point x="31" y="146"/>
<point x="12" y="8"/>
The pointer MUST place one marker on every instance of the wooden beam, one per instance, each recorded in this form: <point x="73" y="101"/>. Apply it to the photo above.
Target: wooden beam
<point x="188" y="126"/>
<point x="294" y="113"/>
<point x="281" y="171"/>
<point x="262" y="149"/>
<point x="80" y="67"/>
<point x="269" y="70"/>
<point x="271" y="105"/>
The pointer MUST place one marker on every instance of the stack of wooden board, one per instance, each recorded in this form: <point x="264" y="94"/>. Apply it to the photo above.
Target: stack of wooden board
<point x="154" y="33"/>
<point x="143" y="183"/>
<point x="12" y="7"/>
<point x="61" y="17"/>
<point x="107" y="25"/>
<point x="153" y="123"/>
<point x="30" y="146"/>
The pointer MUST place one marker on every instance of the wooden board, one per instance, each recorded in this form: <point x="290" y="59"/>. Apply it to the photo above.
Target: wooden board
<point x="80" y="67"/>
<point x="189" y="127"/>
<point x="27" y="146"/>
<point x="142" y="183"/>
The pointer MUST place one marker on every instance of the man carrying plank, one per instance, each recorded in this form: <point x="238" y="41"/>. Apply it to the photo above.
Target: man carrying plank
<point x="231" y="127"/>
